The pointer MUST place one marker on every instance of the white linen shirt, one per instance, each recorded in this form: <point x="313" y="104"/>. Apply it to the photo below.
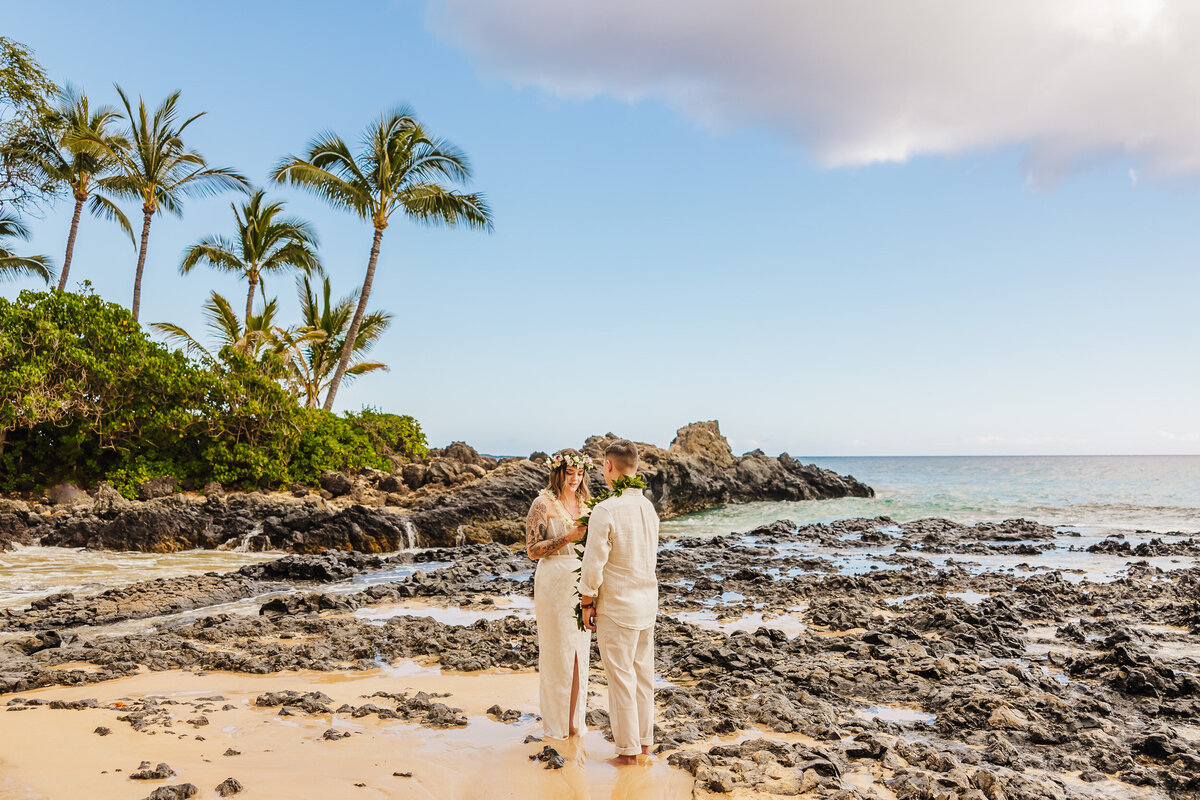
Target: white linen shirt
<point x="620" y="558"/>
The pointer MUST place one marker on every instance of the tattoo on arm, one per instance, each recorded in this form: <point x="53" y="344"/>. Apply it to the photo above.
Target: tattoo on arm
<point x="547" y="546"/>
<point x="538" y="541"/>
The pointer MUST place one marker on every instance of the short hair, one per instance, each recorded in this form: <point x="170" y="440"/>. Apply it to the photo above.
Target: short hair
<point x="623" y="454"/>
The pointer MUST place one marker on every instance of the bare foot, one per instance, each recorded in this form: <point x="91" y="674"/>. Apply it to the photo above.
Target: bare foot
<point x="646" y="749"/>
<point x="623" y="761"/>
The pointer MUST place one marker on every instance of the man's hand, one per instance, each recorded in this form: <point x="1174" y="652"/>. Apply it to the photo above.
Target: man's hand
<point x="576" y="533"/>
<point x="589" y="617"/>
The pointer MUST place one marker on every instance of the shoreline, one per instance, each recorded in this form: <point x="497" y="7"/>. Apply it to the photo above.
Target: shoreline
<point x="454" y="497"/>
<point x="946" y="662"/>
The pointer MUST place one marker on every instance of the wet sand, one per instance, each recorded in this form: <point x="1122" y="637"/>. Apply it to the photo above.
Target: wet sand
<point x="286" y="757"/>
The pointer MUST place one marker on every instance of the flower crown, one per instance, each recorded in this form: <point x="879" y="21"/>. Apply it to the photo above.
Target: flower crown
<point x="563" y="460"/>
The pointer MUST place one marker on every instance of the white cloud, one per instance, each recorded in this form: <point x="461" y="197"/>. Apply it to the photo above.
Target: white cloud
<point x="856" y="82"/>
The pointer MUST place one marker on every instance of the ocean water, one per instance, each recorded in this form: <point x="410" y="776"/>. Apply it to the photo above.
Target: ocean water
<point x="1088" y="493"/>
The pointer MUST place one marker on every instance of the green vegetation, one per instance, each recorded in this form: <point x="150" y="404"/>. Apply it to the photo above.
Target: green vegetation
<point x="11" y="264"/>
<point x="26" y="95"/>
<point x="313" y="366"/>
<point x="88" y="396"/>
<point x="73" y="153"/>
<point x="160" y="171"/>
<point x="397" y="171"/>
<point x="266" y="242"/>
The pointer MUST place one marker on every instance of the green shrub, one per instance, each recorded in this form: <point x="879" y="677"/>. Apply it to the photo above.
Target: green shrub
<point x="328" y="441"/>
<point x="86" y="395"/>
<point x="391" y="434"/>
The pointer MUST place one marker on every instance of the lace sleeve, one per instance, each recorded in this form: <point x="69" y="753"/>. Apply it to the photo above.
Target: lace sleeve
<point x="539" y="542"/>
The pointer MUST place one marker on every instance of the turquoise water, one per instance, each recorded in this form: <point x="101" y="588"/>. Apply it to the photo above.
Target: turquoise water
<point x="1156" y="493"/>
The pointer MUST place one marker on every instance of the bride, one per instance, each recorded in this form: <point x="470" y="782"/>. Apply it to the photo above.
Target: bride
<point x="563" y="649"/>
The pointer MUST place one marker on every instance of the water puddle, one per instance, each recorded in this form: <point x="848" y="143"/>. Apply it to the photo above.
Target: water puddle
<point x="725" y="598"/>
<point x="902" y="599"/>
<point x="970" y="597"/>
<point x="391" y="574"/>
<point x="896" y="714"/>
<point x="790" y="623"/>
<point x="509" y="606"/>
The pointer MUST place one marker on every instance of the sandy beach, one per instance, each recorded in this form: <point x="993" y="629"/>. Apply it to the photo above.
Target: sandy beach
<point x="858" y="659"/>
<point x="289" y="756"/>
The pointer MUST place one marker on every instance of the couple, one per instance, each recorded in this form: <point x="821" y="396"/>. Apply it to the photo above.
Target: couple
<point x="616" y="588"/>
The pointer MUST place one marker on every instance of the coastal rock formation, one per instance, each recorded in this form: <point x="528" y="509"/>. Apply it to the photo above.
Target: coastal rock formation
<point x="699" y="471"/>
<point x="454" y="497"/>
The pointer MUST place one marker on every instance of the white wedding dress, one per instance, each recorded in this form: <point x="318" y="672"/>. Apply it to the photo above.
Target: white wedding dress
<point x="561" y="645"/>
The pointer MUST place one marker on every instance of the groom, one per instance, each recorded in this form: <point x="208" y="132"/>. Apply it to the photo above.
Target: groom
<point x="619" y="596"/>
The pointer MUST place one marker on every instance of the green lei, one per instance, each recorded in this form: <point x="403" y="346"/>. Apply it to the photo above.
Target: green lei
<point x="619" y="484"/>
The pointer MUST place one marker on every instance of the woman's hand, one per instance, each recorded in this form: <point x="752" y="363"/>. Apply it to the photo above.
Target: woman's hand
<point x="576" y="533"/>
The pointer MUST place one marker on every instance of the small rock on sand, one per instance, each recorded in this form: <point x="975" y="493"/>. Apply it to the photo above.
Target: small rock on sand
<point x="146" y="773"/>
<point x="181" y="791"/>
<point x="229" y="787"/>
<point x="550" y="757"/>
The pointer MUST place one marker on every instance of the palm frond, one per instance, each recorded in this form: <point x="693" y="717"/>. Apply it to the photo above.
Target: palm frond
<point x="430" y="203"/>
<point x="103" y="208"/>
<point x="209" y="182"/>
<point x="323" y="183"/>
<point x="14" y="266"/>
<point x="182" y="338"/>
<point x="222" y="319"/>
<point x="12" y="227"/>
<point x="363" y="367"/>
<point x="216" y="251"/>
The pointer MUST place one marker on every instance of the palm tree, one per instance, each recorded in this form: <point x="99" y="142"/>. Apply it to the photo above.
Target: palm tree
<point x="160" y="171"/>
<point x="398" y="169"/>
<point x="258" y="337"/>
<point x="313" y="367"/>
<point x="14" y="266"/>
<point x="266" y="242"/>
<point x="76" y="151"/>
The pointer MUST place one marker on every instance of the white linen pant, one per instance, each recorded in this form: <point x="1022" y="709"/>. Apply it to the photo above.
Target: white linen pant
<point x="628" y="657"/>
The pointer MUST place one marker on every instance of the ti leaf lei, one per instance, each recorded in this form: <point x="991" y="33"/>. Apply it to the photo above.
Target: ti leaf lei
<point x="619" y="484"/>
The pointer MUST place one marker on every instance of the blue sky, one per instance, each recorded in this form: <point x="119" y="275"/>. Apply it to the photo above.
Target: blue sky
<point x="653" y="266"/>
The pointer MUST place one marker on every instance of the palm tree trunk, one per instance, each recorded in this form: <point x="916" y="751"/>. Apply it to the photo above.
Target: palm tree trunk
<point x="250" y="301"/>
<point x="62" y="280"/>
<point x="359" y="313"/>
<point x="137" y="280"/>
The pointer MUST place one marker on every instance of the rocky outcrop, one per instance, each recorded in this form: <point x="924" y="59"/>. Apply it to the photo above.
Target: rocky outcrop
<point x="489" y="509"/>
<point x="699" y="471"/>
<point x="455" y="496"/>
<point x="153" y="598"/>
<point x="235" y="521"/>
